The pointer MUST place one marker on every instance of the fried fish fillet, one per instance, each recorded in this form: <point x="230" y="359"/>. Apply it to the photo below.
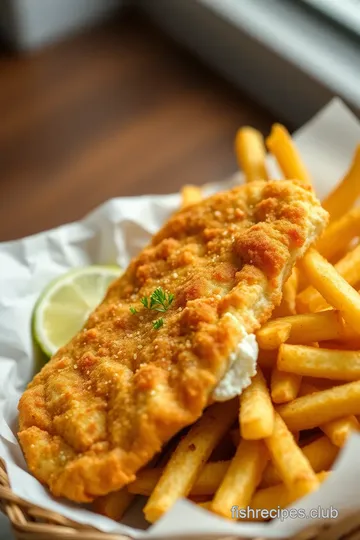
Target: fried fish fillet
<point x="106" y="403"/>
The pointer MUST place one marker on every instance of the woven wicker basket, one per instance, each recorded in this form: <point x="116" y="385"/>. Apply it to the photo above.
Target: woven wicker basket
<point x="30" y="522"/>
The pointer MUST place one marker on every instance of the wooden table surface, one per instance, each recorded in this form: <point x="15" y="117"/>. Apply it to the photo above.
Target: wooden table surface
<point x="118" y="110"/>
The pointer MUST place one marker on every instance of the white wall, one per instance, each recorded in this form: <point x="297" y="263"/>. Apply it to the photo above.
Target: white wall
<point x="30" y="23"/>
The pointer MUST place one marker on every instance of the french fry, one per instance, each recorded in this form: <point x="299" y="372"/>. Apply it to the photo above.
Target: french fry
<point x="273" y="334"/>
<point x="321" y="454"/>
<point x="310" y="385"/>
<point x="340" y="430"/>
<point x="288" y="301"/>
<point x="145" y="481"/>
<point x="242" y="477"/>
<point x="324" y="277"/>
<point x="305" y="328"/>
<point x="190" y="195"/>
<point x="302" y="285"/>
<point x="313" y="410"/>
<point x="266" y="499"/>
<point x="293" y="467"/>
<point x="280" y="144"/>
<point x="350" y="337"/>
<point x="256" y="417"/>
<point x="206" y="505"/>
<point x="339" y="234"/>
<point x="188" y="459"/>
<point x="284" y="386"/>
<point x="280" y="495"/>
<point x="206" y="484"/>
<point x="343" y="253"/>
<point x="342" y="345"/>
<point x="316" y="327"/>
<point x="113" y="505"/>
<point x="251" y="153"/>
<point x="311" y="299"/>
<point x="343" y="197"/>
<point x="325" y="363"/>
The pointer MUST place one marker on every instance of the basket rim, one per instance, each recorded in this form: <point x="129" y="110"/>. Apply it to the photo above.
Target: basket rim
<point x="29" y="521"/>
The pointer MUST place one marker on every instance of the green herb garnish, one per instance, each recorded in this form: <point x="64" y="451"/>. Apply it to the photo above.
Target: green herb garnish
<point x="158" y="323"/>
<point x="159" y="300"/>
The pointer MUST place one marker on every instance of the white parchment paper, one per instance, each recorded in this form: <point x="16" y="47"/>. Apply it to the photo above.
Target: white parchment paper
<point x="115" y="232"/>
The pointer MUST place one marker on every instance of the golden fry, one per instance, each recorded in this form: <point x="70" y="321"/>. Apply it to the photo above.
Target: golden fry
<point x="315" y="327"/>
<point x="251" y="153"/>
<point x="343" y="197"/>
<point x="206" y="505"/>
<point x="113" y="505"/>
<point x="324" y="277"/>
<point x="340" y="430"/>
<point x="324" y="363"/>
<point x="350" y="338"/>
<point x="321" y="454"/>
<point x="317" y="408"/>
<point x="281" y="145"/>
<point x="310" y="299"/>
<point x="267" y="499"/>
<point x="206" y="484"/>
<point x="184" y="466"/>
<point x="306" y="328"/>
<point x="339" y="234"/>
<point x="256" y="417"/>
<point x="145" y="481"/>
<point x="190" y="195"/>
<point x="273" y="334"/>
<point x="290" y="462"/>
<point x="271" y="497"/>
<point x="284" y="386"/>
<point x="242" y="478"/>
<point x="309" y="385"/>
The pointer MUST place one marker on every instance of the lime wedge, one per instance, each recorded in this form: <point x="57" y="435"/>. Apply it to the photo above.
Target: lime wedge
<point x="66" y="303"/>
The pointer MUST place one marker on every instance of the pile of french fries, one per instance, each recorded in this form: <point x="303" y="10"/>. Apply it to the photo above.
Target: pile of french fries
<point x="279" y="440"/>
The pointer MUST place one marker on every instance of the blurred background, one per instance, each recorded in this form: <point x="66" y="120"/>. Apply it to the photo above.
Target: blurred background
<point x="105" y="98"/>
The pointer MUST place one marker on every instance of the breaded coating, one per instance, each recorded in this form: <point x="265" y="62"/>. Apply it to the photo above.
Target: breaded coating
<point x="106" y="403"/>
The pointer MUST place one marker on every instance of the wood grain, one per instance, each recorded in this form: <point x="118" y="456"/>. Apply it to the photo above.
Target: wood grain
<point x="118" y="110"/>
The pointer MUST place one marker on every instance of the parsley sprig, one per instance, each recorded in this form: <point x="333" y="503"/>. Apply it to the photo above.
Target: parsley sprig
<point x="158" y="323"/>
<point x="159" y="300"/>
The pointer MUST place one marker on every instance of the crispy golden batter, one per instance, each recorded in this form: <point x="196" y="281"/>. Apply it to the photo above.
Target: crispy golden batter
<point x="107" y="401"/>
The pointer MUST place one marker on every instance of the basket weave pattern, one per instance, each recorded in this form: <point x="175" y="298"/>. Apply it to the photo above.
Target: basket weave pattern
<point x="30" y="522"/>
